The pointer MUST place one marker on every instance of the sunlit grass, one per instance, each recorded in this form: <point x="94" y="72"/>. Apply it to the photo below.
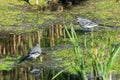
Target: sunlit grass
<point x="6" y="65"/>
<point x="14" y="13"/>
<point x="7" y="62"/>
<point x="104" y="11"/>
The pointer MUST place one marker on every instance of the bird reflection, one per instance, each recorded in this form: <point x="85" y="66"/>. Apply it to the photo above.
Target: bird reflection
<point x="35" y="71"/>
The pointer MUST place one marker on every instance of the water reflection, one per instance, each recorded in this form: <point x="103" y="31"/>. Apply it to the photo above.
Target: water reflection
<point x="20" y="44"/>
<point x="38" y="72"/>
<point x="35" y="71"/>
<point x="15" y="44"/>
<point x="43" y="73"/>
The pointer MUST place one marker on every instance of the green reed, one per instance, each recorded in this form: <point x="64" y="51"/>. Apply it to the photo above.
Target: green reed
<point x="78" y="63"/>
<point x="102" y="65"/>
<point x="101" y="60"/>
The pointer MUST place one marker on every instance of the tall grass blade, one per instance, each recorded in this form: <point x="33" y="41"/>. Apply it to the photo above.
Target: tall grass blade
<point x="60" y="73"/>
<point x="112" y="58"/>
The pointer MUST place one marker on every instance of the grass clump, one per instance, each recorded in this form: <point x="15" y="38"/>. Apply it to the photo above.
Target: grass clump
<point x="100" y="59"/>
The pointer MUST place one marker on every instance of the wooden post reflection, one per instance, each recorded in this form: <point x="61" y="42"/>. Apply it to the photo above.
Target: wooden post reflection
<point x="20" y="44"/>
<point x="60" y="29"/>
<point x="39" y="36"/>
<point x="19" y="39"/>
<point x="57" y="31"/>
<point x="52" y="35"/>
<point x="0" y="49"/>
<point x="1" y="75"/>
<point x="14" y="44"/>
<point x="4" y="50"/>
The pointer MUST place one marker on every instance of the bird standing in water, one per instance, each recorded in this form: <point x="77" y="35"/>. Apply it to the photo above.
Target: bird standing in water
<point x="33" y="53"/>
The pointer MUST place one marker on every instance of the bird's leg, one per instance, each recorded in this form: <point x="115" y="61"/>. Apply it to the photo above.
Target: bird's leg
<point x="91" y="29"/>
<point x="88" y="30"/>
<point x="41" y="58"/>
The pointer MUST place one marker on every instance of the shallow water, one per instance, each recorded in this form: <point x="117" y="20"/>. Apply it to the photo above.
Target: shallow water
<point x="13" y="46"/>
<point x="51" y="38"/>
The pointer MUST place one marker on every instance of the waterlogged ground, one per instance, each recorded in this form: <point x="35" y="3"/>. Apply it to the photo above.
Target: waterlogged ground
<point x="57" y="57"/>
<point x="22" y="26"/>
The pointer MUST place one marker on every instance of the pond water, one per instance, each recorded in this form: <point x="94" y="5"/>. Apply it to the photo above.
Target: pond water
<point x="15" y="46"/>
<point x="51" y="38"/>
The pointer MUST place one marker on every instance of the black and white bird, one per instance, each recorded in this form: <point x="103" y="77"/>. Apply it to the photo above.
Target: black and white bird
<point x="33" y="53"/>
<point x="86" y="23"/>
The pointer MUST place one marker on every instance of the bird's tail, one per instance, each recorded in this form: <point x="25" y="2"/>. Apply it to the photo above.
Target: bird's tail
<point x="107" y="25"/>
<point x="28" y="2"/>
<point x="23" y="59"/>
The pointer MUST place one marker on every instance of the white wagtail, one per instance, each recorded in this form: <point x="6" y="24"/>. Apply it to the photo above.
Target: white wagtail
<point x="86" y="23"/>
<point x="89" y="24"/>
<point x="33" y="53"/>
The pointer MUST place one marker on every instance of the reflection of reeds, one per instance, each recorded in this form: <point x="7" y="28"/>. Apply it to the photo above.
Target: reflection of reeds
<point x="53" y="34"/>
<point x="51" y="31"/>
<point x="1" y="77"/>
<point x="14" y="44"/>
<point x="4" y="50"/>
<point x="38" y="36"/>
<point x="0" y="48"/>
<point x="46" y="73"/>
<point x="17" y="44"/>
<point x="20" y="44"/>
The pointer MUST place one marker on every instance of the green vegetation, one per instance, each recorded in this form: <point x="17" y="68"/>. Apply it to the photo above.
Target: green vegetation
<point x="15" y="14"/>
<point x="79" y="60"/>
<point x="7" y="62"/>
<point x="98" y="59"/>
<point x="88" y="51"/>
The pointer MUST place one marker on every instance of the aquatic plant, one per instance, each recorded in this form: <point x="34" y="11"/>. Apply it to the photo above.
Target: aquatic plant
<point x="102" y="64"/>
<point x="79" y="61"/>
<point x="101" y="61"/>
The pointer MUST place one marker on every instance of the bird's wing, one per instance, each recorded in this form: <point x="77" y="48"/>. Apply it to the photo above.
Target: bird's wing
<point x="34" y="50"/>
<point x="83" y="22"/>
<point x="92" y="24"/>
